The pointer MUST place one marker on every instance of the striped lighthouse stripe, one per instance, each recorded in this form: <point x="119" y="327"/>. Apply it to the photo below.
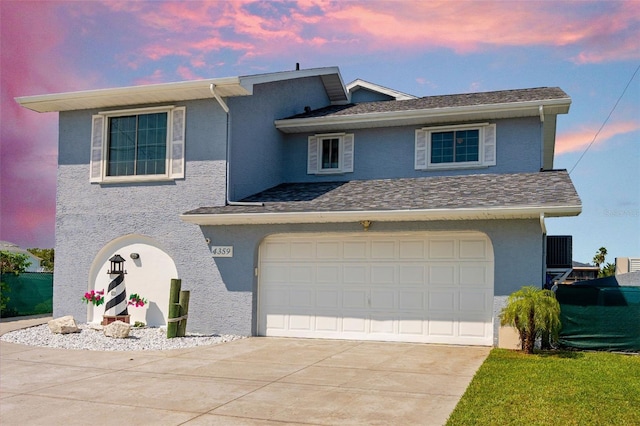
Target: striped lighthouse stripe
<point x="116" y="297"/>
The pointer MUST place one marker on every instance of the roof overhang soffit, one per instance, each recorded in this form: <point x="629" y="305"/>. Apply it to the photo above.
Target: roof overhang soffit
<point x="381" y="216"/>
<point x="423" y="116"/>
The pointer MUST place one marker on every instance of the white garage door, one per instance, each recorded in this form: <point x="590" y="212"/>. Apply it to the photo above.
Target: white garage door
<point x="410" y="287"/>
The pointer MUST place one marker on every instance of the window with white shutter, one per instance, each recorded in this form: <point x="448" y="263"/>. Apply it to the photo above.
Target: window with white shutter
<point x="330" y="153"/>
<point x="138" y="145"/>
<point x="451" y="147"/>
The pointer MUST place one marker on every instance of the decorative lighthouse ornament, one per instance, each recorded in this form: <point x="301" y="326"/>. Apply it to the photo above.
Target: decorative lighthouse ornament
<point x="116" y="297"/>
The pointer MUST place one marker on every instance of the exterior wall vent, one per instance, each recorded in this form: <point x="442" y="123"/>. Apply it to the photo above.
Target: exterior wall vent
<point x="559" y="251"/>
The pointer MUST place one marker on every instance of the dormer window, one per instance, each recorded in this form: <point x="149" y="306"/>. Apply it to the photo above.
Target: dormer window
<point x="453" y="147"/>
<point x="330" y="153"/>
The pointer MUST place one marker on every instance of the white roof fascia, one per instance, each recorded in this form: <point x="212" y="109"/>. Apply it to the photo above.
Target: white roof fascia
<point x="133" y="95"/>
<point x="167" y="92"/>
<point x="379" y="119"/>
<point x="381" y="215"/>
<point x="398" y="95"/>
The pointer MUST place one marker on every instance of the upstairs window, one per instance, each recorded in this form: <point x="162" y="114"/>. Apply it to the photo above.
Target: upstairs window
<point x="138" y="145"/>
<point x="331" y="153"/>
<point x="455" y="147"/>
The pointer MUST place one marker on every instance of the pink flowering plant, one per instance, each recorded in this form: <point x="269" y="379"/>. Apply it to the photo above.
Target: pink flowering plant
<point x="137" y="301"/>
<point x="96" y="298"/>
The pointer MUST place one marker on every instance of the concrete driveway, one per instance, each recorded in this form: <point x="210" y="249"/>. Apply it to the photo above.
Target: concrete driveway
<point x="255" y="381"/>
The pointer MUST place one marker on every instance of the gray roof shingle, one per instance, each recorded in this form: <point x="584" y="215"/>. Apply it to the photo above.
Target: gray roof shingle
<point x="542" y="189"/>
<point x="443" y="101"/>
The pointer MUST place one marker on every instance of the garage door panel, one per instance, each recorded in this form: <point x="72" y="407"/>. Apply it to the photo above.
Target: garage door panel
<point x="442" y="249"/>
<point x="382" y="324"/>
<point x="383" y="299"/>
<point x="328" y="298"/>
<point x="441" y="327"/>
<point x="354" y="274"/>
<point x="330" y="274"/>
<point x="411" y="300"/>
<point x="328" y="322"/>
<point x="442" y="275"/>
<point x="355" y="299"/>
<point x="300" y="321"/>
<point x="473" y="249"/>
<point x="355" y="250"/>
<point x="277" y="296"/>
<point x="474" y="275"/>
<point x="442" y="300"/>
<point x="414" y="287"/>
<point x="328" y="250"/>
<point x="473" y="301"/>
<point x="301" y="297"/>
<point x="301" y="274"/>
<point x="411" y="274"/>
<point x="303" y="250"/>
<point x="383" y="250"/>
<point x="383" y="274"/>
<point x="354" y="324"/>
<point x="413" y="250"/>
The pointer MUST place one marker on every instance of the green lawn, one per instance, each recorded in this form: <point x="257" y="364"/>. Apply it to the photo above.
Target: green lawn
<point x="555" y="388"/>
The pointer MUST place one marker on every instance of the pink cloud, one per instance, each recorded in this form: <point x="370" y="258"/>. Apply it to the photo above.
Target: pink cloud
<point x="578" y="140"/>
<point x="31" y="35"/>
<point x="587" y="32"/>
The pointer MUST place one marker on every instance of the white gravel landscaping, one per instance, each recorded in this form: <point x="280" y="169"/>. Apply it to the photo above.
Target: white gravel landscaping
<point x="91" y="338"/>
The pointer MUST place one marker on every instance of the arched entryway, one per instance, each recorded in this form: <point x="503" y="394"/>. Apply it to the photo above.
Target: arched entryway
<point x="149" y="274"/>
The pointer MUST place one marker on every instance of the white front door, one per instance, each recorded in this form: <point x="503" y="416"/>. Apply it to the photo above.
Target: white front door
<point x="410" y="287"/>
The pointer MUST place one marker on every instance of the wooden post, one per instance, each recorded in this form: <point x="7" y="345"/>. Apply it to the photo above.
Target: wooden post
<point x="184" y="310"/>
<point x="174" y="307"/>
<point x="172" y="326"/>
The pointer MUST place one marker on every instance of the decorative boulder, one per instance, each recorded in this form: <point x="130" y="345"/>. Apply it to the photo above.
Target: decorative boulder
<point x="117" y="329"/>
<point x="63" y="325"/>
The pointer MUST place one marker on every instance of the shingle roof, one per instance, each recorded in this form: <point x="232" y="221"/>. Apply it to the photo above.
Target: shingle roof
<point x="518" y="190"/>
<point x="444" y="101"/>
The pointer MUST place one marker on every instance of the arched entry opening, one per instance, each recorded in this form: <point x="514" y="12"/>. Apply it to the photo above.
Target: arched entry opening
<point x="149" y="273"/>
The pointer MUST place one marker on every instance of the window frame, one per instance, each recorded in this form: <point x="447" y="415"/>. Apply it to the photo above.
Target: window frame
<point x="486" y="147"/>
<point x="174" y="149"/>
<point x="346" y="145"/>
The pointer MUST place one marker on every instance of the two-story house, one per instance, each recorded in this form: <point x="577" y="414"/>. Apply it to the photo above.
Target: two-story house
<point x="291" y="204"/>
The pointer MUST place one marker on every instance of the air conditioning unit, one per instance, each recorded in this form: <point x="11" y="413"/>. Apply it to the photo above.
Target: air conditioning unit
<point x="559" y="251"/>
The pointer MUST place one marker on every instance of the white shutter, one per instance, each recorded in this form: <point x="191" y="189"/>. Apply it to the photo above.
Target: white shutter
<point x="489" y="145"/>
<point x="176" y="159"/>
<point x="97" y="138"/>
<point x="312" y="156"/>
<point x="347" y="153"/>
<point x="421" y="149"/>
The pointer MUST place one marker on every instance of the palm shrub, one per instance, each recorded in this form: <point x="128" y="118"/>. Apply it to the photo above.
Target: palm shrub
<point x="532" y="311"/>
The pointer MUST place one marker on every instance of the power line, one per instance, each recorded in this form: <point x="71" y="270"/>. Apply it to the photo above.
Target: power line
<point x="607" y="119"/>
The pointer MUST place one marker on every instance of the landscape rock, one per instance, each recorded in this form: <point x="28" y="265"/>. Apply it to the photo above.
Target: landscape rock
<point x="63" y="325"/>
<point x="117" y="329"/>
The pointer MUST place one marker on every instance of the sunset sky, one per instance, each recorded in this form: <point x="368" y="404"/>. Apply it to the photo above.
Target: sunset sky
<point x="589" y="49"/>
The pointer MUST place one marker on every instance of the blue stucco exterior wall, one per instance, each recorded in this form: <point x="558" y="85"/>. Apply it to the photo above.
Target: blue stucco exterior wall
<point x="258" y="153"/>
<point x="518" y="149"/>
<point x="89" y="216"/>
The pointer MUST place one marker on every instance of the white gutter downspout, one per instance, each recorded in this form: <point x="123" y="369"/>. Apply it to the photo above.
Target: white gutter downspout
<point x="544" y="249"/>
<point x="225" y="107"/>
<point x="541" y="113"/>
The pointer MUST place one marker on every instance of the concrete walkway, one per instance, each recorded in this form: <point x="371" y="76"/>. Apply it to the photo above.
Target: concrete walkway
<point x="255" y="381"/>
